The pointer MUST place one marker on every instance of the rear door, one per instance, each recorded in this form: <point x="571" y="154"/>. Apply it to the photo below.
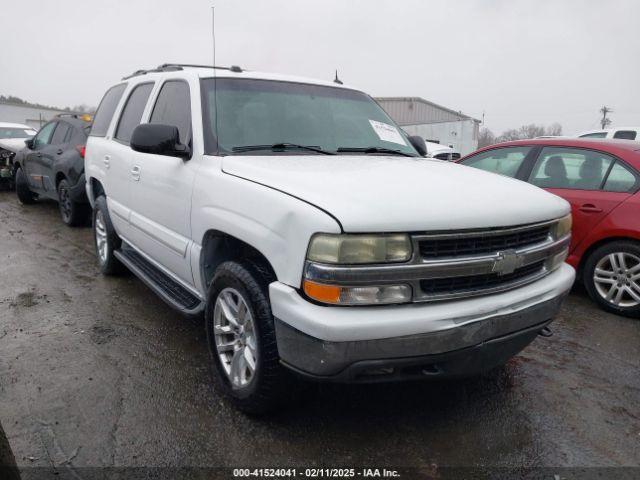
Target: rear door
<point x="593" y="182"/>
<point x="162" y="186"/>
<point x="52" y="154"/>
<point x="120" y="157"/>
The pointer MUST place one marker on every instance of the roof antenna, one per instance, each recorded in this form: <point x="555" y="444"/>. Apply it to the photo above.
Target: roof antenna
<point x="337" y="80"/>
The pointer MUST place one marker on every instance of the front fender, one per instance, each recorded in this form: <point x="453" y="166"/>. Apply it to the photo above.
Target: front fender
<point x="276" y="224"/>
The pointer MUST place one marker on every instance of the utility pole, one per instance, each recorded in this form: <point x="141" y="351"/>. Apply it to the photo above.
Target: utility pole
<point x="605" y="122"/>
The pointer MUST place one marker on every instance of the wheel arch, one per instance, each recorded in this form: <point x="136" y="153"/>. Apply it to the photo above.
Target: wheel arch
<point x="595" y="245"/>
<point x="96" y="189"/>
<point x="219" y="247"/>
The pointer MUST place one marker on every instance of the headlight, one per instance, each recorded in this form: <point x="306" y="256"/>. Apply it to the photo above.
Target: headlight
<point x="561" y="228"/>
<point x="359" y="249"/>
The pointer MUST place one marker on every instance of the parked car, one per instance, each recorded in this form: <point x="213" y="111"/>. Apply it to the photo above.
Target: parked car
<point x="293" y="214"/>
<point x="52" y="166"/>
<point x="622" y="133"/>
<point x="12" y="137"/>
<point x="601" y="181"/>
<point x="441" y="152"/>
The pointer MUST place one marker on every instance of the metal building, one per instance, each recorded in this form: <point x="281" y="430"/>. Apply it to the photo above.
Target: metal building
<point x="433" y="122"/>
<point x="33" y="116"/>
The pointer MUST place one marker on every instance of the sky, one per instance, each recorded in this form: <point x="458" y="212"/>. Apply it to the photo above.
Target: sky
<point x="516" y="61"/>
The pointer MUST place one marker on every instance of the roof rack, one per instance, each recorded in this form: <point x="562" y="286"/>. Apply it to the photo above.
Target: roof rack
<point x="173" y="67"/>
<point x="81" y="116"/>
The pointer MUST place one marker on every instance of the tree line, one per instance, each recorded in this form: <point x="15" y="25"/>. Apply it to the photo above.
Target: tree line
<point x="487" y="137"/>
<point x="19" y="101"/>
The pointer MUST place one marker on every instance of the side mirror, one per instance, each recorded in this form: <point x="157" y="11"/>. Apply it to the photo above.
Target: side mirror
<point x="29" y="143"/>
<point x="419" y="144"/>
<point x="159" y="140"/>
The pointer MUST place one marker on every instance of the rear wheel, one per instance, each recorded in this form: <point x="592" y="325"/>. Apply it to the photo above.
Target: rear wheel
<point x="25" y="196"/>
<point x="73" y="213"/>
<point x="241" y="338"/>
<point x="612" y="277"/>
<point x="106" y="239"/>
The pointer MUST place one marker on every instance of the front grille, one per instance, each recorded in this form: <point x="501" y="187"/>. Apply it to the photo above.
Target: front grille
<point x="457" y="285"/>
<point x="487" y="242"/>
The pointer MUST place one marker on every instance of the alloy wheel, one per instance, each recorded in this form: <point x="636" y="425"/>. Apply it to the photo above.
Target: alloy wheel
<point x="65" y="204"/>
<point x="235" y="338"/>
<point x="101" y="237"/>
<point x="617" y="279"/>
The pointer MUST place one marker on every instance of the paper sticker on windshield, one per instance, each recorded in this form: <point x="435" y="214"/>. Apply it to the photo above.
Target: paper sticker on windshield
<point x="387" y="132"/>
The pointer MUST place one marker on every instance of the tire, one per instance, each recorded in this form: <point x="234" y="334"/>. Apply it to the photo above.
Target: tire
<point x="25" y="196"/>
<point x="73" y="213"/>
<point x="106" y="239"/>
<point x="264" y="388"/>
<point x="615" y="286"/>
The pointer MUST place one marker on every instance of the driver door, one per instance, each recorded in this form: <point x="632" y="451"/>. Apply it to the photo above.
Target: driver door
<point x="35" y="159"/>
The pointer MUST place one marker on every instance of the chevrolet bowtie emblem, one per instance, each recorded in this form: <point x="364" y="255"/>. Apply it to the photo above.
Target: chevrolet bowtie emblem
<point x="507" y="262"/>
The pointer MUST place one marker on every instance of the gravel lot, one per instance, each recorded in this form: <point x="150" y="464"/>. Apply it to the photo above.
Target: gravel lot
<point x="98" y="371"/>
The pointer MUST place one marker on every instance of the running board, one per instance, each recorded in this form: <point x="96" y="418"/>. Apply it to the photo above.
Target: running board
<point x="167" y="288"/>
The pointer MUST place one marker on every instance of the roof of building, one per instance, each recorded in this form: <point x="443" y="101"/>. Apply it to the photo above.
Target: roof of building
<point x="415" y="116"/>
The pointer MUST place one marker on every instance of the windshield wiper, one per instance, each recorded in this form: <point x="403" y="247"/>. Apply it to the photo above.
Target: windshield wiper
<point x="375" y="150"/>
<point x="281" y="147"/>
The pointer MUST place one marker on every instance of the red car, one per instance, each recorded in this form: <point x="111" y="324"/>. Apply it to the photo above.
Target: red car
<point x="601" y="180"/>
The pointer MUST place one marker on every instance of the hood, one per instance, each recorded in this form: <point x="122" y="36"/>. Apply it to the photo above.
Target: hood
<point x="400" y="194"/>
<point x="13" y="144"/>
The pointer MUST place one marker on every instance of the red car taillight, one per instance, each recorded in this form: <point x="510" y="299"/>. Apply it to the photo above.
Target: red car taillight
<point x="81" y="149"/>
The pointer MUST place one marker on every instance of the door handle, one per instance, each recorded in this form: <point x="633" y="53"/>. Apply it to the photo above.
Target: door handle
<point x="135" y="172"/>
<point x="107" y="161"/>
<point x="590" y="208"/>
<point x="60" y="151"/>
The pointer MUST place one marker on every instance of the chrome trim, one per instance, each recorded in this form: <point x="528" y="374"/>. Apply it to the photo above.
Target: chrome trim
<point x="418" y="268"/>
<point x="481" y="232"/>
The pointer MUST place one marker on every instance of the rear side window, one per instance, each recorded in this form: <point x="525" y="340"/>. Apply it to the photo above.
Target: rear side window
<point x="625" y="134"/>
<point x="132" y="111"/>
<point x="620" y="179"/>
<point x="505" y="161"/>
<point x="173" y="107"/>
<point x="106" y="109"/>
<point x="594" y="135"/>
<point x="60" y="134"/>
<point x="573" y="168"/>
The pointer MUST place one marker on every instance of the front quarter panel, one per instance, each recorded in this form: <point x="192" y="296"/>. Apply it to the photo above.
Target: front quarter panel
<point x="274" y="223"/>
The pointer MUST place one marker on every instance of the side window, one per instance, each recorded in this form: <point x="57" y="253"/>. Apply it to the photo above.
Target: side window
<point x="106" y="109"/>
<point x="44" y="135"/>
<point x="173" y="107"/>
<point x="61" y="132"/>
<point x="625" y="134"/>
<point x="132" y="111"/>
<point x="559" y="167"/>
<point x="505" y="161"/>
<point x="620" y="179"/>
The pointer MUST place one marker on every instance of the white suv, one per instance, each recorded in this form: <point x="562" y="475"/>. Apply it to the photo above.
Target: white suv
<point x="302" y="222"/>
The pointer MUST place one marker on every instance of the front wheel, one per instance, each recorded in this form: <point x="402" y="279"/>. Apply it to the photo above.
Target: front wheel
<point x="25" y="196"/>
<point x="612" y="277"/>
<point x="241" y="338"/>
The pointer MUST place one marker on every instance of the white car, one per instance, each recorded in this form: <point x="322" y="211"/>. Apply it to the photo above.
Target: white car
<point x="293" y="214"/>
<point x="12" y="137"/>
<point x="621" y="133"/>
<point x="441" y="152"/>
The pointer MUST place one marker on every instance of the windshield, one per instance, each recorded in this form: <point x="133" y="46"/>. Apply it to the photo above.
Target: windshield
<point x="14" y="132"/>
<point x="262" y="113"/>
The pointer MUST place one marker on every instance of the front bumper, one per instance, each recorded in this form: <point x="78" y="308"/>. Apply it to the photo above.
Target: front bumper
<point x="453" y="338"/>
